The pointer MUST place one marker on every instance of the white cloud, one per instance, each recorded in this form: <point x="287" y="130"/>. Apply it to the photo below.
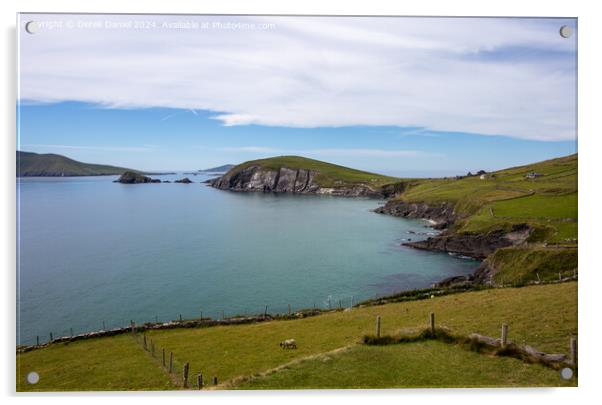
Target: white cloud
<point x="489" y="76"/>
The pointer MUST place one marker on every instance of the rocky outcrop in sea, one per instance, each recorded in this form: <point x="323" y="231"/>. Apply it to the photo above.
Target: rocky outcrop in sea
<point x="135" y="178"/>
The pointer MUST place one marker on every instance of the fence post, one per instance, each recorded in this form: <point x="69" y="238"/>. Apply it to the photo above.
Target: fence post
<point x="152" y="348"/>
<point x="163" y="356"/>
<point x="289" y="309"/>
<point x="145" y="346"/>
<point x="71" y="330"/>
<point x="199" y="380"/>
<point x="340" y="305"/>
<point x="432" y="324"/>
<point x="574" y="351"/>
<point x="180" y="317"/>
<point x="377" y="326"/>
<point x="170" y="362"/>
<point x="51" y="338"/>
<point x="37" y="340"/>
<point x="265" y="313"/>
<point x="214" y="380"/>
<point x="185" y="376"/>
<point x="103" y="325"/>
<point x="504" y="335"/>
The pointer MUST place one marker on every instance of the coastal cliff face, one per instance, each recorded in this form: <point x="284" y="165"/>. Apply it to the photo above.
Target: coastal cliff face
<point x="287" y="180"/>
<point x="477" y="245"/>
<point x="442" y="214"/>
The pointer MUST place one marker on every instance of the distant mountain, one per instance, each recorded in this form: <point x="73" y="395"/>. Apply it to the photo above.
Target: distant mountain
<point x="219" y="169"/>
<point x="31" y="164"/>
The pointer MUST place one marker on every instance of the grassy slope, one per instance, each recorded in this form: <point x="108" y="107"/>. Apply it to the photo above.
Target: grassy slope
<point x="523" y="264"/>
<point x="484" y="205"/>
<point x="547" y="203"/>
<point x="406" y="366"/>
<point x="34" y="164"/>
<point x="330" y="175"/>
<point x="115" y="363"/>
<point x="544" y="316"/>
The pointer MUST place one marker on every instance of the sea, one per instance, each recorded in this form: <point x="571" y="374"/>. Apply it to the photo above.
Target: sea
<point x="94" y="254"/>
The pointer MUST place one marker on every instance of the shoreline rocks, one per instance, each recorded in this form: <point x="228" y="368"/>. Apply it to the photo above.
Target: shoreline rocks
<point x="442" y="215"/>
<point x="474" y="245"/>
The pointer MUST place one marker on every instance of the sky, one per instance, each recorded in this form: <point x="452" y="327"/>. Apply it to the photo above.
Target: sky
<point x="401" y="96"/>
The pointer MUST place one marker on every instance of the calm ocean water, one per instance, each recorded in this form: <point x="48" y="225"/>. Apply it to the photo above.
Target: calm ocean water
<point x="91" y="250"/>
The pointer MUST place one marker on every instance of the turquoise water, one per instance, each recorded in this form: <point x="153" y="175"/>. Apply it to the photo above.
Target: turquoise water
<point x="91" y="250"/>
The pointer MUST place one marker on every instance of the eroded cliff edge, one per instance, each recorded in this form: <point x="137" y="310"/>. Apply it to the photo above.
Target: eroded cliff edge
<point x="478" y="246"/>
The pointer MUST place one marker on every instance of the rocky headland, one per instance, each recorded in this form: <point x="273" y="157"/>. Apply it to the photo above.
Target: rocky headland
<point x="288" y="180"/>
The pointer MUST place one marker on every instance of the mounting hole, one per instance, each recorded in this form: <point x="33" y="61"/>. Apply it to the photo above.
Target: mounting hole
<point x="32" y="27"/>
<point x="566" y="31"/>
<point x="33" y="377"/>
<point x="566" y="373"/>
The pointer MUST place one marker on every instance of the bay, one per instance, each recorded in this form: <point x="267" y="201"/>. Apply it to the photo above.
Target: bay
<point x="93" y="251"/>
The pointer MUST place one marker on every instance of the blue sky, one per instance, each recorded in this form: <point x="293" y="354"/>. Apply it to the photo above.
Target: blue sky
<point x="409" y="96"/>
<point x="175" y="139"/>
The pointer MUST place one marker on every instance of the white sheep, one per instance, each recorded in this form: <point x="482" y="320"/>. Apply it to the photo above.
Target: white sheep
<point x="288" y="344"/>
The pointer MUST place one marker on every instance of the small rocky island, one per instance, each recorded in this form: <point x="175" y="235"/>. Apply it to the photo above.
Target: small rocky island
<point x="135" y="178"/>
<point x="185" y="180"/>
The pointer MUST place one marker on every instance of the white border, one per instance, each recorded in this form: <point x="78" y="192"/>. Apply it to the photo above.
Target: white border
<point x="589" y="182"/>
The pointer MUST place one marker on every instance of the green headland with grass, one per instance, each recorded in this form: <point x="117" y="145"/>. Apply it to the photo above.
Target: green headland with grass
<point x="328" y="174"/>
<point x="540" y="198"/>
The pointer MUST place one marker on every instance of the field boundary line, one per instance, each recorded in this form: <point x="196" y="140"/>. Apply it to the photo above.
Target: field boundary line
<point x="177" y="384"/>
<point x="232" y="383"/>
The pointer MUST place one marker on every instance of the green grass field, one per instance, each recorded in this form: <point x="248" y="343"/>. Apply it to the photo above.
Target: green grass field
<point x="406" y="366"/>
<point x="114" y="363"/>
<point x="330" y="175"/>
<point x="543" y="316"/>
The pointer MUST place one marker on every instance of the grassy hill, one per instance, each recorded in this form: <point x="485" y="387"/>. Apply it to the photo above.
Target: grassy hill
<point x="329" y="353"/>
<point x="506" y="197"/>
<point x="547" y="203"/>
<point x="50" y="164"/>
<point x="330" y="175"/>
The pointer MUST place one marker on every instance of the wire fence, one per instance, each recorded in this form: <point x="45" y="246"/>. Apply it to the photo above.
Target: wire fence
<point x="180" y="371"/>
